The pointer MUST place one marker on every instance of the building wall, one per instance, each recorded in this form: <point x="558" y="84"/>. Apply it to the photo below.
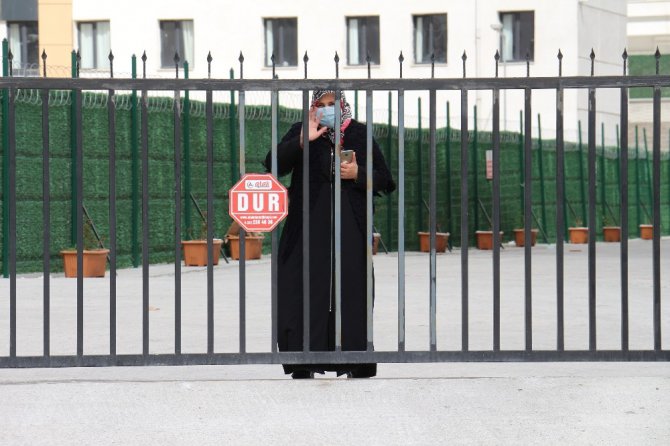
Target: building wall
<point x="225" y="29"/>
<point x="55" y="31"/>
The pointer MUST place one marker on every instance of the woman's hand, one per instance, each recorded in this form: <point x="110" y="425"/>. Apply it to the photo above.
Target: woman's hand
<point x="349" y="170"/>
<point x="313" y="123"/>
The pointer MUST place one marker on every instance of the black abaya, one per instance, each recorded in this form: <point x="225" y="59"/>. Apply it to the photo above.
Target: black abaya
<point x="354" y="268"/>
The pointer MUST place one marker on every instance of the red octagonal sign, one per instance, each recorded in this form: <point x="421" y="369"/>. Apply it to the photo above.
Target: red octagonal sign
<point x="258" y="202"/>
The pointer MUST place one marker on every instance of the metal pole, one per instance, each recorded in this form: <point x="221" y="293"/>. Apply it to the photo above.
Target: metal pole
<point x="475" y="169"/>
<point x="389" y="154"/>
<point x="5" y="164"/>
<point x="637" y="177"/>
<point x="603" y="180"/>
<point x="186" y="132"/>
<point x="646" y="168"/>
<point x="419" y="176"/>
<point x="73" y="155"/>
<point x="448" y="178"/>
<point x="232" y="128"/>
<point x="521" y="170"/>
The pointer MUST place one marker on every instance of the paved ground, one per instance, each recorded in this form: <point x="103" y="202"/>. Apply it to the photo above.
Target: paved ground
<point x="575" y="403"/>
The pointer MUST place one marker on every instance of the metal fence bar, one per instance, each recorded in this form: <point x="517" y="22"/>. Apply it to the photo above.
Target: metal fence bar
<point x="465" y="213"/>
<point x="496" y="219"/>
<point x="560" y="223"/>
<point x="368" y="224"/>
<point x="337" y="219"/>
<point x="176" y="125"/>
<point x="527" y="219"/>
<point x="401" y="220"/>
<point x="591" y="166"/>
<point x="275" y="233"/>
<point x="656" y="249"/>
<point x="144" y="137"/>
<point x="111" y="133"/>
<point x="305" y="221"/>
<point x="11" y="117"/>
<point x="209" y="113"/>
<point x="623" y="219"/>
<point x="243" y="252"/>
<point x="433" y="218"/>
<point x="46" y="229"/>
<point x="79" y="182"/>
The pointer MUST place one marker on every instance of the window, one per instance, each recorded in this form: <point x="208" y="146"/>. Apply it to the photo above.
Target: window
<point x="93" y="44"/>
<point x="176" y="37"/>
<point x="24" y="44"/>
<point x="362" y="38"/>
<point x="281" y="39"/>
<point x="518" y="35"/>
<point x="430" y="37"/>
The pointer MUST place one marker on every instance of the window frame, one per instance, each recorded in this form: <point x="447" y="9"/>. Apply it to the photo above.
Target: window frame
<point x="95" y="40"/>
<point x="531" y="43"/>
<point x="24" y="58"/>
<point x="427" y="60"/>
<point x="183" y="52"/>
<point x="362" y="57"/>
<point x="269" y="51"/>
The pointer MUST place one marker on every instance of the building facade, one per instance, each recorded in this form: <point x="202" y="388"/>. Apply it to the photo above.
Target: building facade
<point x="445" y="29"/>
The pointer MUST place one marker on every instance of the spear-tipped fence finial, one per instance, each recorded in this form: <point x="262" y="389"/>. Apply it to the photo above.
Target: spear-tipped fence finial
<point x="464" y="57"/>
<point x="593" y="60"/>
<point x="560" y="62"/>
<point x="176" y="60"/>
<point x="10" y="58"/>
<point x="241" y="60"/>
<point x="432" y="65"/>
<point x="368" y="59"/>
<point x="144" y="64"/>
<point x="337" y="65"/>
<point x="209" y="64"/>
<point x="305" y="59"/>
<point x="274" y="66"/>
<point x="78" y="62"/>
<point x="527" y="64"/>
<point x="401" y="59"/>
<point x="111" y="63"/>
<point x="657" y="55"/>
<point x="44" y="63"/>
<point x="497" y="59"/>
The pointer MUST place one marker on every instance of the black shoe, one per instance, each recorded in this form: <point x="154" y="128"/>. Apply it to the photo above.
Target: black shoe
<point x="357" y="375"/>
<point x="302" y="374"/>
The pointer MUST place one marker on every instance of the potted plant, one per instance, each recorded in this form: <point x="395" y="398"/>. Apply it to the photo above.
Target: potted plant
<point x="578" y="233"/>
<point x="253" y="243"/>
<point x="195" y="249"/>
<point x="611" y="232"/>
<point x="646" y="231"/>
<point x="519" y="234"/>
<point x="441" y="239"/>
<point x="485" y="239"/>
<point x="95" y="256"/>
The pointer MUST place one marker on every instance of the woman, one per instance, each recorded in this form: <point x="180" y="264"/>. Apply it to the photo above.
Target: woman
<point x="321" y="239"/>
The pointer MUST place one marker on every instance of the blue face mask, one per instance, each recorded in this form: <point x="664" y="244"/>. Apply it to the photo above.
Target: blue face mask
<point x="327" y="116"/>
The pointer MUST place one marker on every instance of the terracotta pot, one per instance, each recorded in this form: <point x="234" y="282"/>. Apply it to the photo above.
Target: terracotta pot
<point x="579" y="235"/>
<point x="375" y="242"/>
<point x="195" y="252"/>
<point x="485" y="239"/>
<point x="95" y="262"/>
<point x="252" y="246"/>
<point x="441" y="239"/>
<point x="519" y="235"/>
<point x="646" y="232"/>
<point x="611" y="233"/>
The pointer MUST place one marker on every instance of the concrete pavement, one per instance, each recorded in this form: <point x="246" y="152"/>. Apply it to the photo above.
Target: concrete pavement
<point x="550" y="403"/>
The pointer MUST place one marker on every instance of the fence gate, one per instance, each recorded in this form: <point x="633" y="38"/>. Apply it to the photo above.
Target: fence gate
<point x="175" y="353"/>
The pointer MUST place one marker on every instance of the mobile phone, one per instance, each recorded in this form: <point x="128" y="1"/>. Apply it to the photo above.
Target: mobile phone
<point x="347" y="155"/>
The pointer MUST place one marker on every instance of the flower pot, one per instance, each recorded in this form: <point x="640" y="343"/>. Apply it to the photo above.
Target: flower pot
<point x="375" y="242"/>
<point x="485" y="239"/>
<point x="252" y="246"/>
<point x="195" y="252"/>
<point x="579" y="235"/>
<point x="646" y="232"/>
<point x="95" y="262"/>
<point x="441" y="239"/>
<point x="611" y="233"/>
<point x="519" y="235"/>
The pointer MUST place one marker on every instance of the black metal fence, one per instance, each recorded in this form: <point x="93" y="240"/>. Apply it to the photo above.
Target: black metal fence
<point x="528" y="84"/>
